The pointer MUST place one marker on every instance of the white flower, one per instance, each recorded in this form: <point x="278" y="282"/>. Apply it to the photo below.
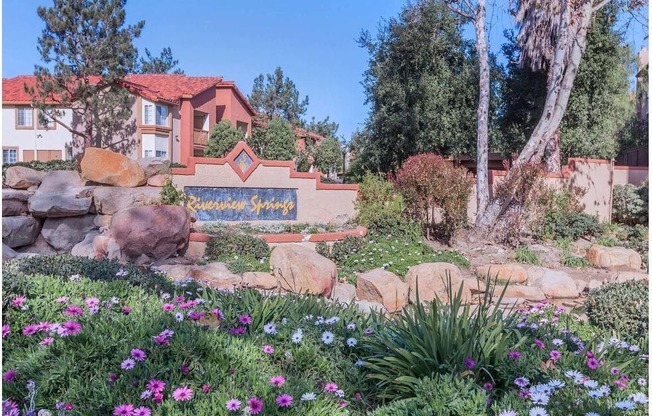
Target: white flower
<point x="359" y="363"/>
<point x="297" y="337"/>
<point x="351" y="326"/>
<point x="121" y="272"/>
<point x="333" y="320"/>
<point x="327" y="337"/>
<point x="305" y="397"/>
<point x="605" y="390"/>
<point x="557" y="342"/>
<point x="339" y="393"/>
<point x="556" y="384"/>
<point x="638" y="398"/>
<point x="146" y="394"/>
<point x="507" y="413"/>
<point x="641" y="381"/>
<point x="595" y="394"/>
<point x="539" y="398"/>
<point x="634" y="348"/>
<point x="591" y="384"/>
<point x="165" y="296"/>
<point x="538" y="411"/>
<point x="573" y="374"/>
<point x="623" y="345"/>
<point x="351" y="342"/>
<point x="178" y="317"/>
<point x="625" y="405"/>
<point x="270" y="329"/>
<point x="613" y="341"/>
<point x="592" y="414"/>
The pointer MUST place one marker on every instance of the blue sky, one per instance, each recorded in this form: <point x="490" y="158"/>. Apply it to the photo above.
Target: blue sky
<point x="312" y="41"/>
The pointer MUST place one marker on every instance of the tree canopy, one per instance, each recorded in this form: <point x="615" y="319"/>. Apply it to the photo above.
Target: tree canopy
<point x="274" y="141"/>
<point x="163" y="64"/>
<point x="222" y="139"/>
<point x="88" y="50"/>
<point x="274" y="95"/>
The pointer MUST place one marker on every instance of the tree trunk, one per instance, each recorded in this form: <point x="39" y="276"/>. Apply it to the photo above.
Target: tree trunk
<point x="482" y="179"/>
<point x="88" y="129"/>
<point x="568" y="54"/>
<point x="552" y="154"/>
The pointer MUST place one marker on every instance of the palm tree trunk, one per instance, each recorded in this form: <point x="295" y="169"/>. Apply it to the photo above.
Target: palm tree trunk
<point x="482" y="162"/>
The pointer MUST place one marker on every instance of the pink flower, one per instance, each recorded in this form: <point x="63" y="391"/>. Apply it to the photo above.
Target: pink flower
<point x="255" y="404"/>
<point x="182" y="394"/>
<point x="614" y="371"/>
<point x="161" y="340"/>
<point x="218" y="313"/>
<point x="539" y="343"/>
<point x="268" y="349"/>
<point x="195" y="316"/>
<point x="240" y="330"/>
<point x="206" y="388"/>
<point x="342" y="404"/>
<point x="330" y="387"/>
<point x="168" y="307"/>
<point x="158" y="398"/>
<point x="5" y="330"/>
<point x="92" y="302"/>
<point x="9" y="376"/>
<point x="46" y="341"/>
<point x="138" y="354"/>
<point x="233" y="405"/>
<point x="124" y="410"/>
<point x="30" y="330"/>
<point x="126" y="310"/>
<point x="18" y="301"/>
<point x="514" y="355"/>
<point x="244" y="319"/>
<point x="185" y="370"/>
<point x="142" y="411"/>
<point x="71" y="328"/>
<point x="73" y="310"/>
<point x="469" y="363"/>
<point x="592" y="363"/>
<point x="277" y="381"/>
<point x="555" y="355"/>
<point x="127" y="364"/>
<point x="62" y="299"/>
<point x="284" y="400"/>
<point x="156" y="386"/>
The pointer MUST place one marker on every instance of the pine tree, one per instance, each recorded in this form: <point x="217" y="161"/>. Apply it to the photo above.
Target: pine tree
<point x="278" y="97"/>
<point x="163" y="64"/>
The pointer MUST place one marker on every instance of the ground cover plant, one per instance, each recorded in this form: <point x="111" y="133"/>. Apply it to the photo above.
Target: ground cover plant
<point x="276" y="228"/>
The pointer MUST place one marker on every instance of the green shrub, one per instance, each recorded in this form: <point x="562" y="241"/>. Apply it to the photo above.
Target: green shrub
<point x="524" y="254"/>
<point x="630" y="204"/>
<point x="571" y="225"/>
<point x="222" y="139"/>
<point x="48" y="166"/>
<point x="177" y="165"/>
<point x="429" y="183"/>
<point x="238" y="250"/>
<point x="346" y="248"/>
<point x="170" y="195"/>
<point x="622" y="307"/>
<point x="322" y="249"/>
<point x="66" y="265"/>
<point x="441" y="395"/>
<point x="275" y="141"/>
<point x="576" y="262"/>
<point x="439" y="338"/>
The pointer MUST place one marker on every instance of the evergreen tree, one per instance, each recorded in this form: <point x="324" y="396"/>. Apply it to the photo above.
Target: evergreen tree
<point x="328" y="155"/>
<point x="163" y="64"/>
<point x="275" y="141"/>
<point x="222" y="139"/>
<point x="277" y="97"/>
<point x="88" y="51"/>
<point x="421" y="86"/>
<point x="325" y="128"/>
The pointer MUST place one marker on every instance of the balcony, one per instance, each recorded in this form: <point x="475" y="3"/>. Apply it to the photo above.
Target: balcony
<point x="200" y="137"/>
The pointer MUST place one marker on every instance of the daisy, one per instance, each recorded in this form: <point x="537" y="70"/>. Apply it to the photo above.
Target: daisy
<point x="521" y="381"/>
<point x="284" y="400"/>
<point x="538" y="411"/>
<point x="591" y="384"/>
<point x="469" y="363"/>
<point x="351" y="326"/>
<point x="330" y="387"/>
<point x="592" y="414"/>
<point x="270" y="329"/>
<point x="182" y="394"/>
<point x="277" y="381"/>
<point x="592" y="363"/>
<point x="146" y="394"/>
<point x="5" y="330"/>
<point x="178" y="317"/>
<point x="156" y="386"/>
<point x="138" y="354"/>
<point x="255" y="405"/>
<point x="142" y="411"/>
<point x="514" y="355"/>
<point x="555" y="355"/>
<point x="46" y="341"/>
<point x="556" y="384"/>
<point x="297" y="336"/>
<point x="168" y="307"/>
<point x="268" y="349"/>
<point x="306" y="397"/>
<point x="625" y="405"/>
<point x="507" y="413"/>
<point x="233" y="405"/>
<point x="638" y="398"/>
<point x="327" y="337"/>
<point x="124" y="410"/>
<point x="244" y="319"/>
<point x="539" y="398"/>
<point x="71" y="328"/>
<point x="557" y="342"/>
<point x="128" y="364"/>
<point x="351" y="342"/>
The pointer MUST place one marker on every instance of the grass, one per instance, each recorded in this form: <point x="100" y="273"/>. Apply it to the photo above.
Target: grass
<point x="526" y="255"/>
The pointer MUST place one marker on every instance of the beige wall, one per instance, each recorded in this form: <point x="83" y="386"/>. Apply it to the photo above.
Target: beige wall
<point x="313" y="205"/>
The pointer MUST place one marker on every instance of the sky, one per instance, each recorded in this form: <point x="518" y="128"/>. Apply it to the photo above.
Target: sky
<point x="314" y="42"/>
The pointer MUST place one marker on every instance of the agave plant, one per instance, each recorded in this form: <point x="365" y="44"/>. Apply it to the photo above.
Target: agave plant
<point x="440" y="338"/>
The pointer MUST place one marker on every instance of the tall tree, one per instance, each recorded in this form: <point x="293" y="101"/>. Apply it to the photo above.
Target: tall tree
<point x="325" y="127"/>
<point x="163" y="64"/>
<point x="421" y="86"/>
<point x="274" y="141"/>
<point x="277" y="96"/>
<point x="88" y="51"/>
<point x="476" y="13"/>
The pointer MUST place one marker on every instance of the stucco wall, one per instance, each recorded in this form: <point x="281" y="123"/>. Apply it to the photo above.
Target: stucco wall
<point x="229" y="107"/>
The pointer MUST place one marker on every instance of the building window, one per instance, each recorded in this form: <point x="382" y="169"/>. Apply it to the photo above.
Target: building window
<point x="48" y="125"/>
<point x="149" y="153"/>
<point x="24" y="117"/>
<point x="161" y="115"/>
<point x="242" y="126"/>
<point x="9" y="156"/>
<point x="155" y="146"/>
<point x="148" y="114"/>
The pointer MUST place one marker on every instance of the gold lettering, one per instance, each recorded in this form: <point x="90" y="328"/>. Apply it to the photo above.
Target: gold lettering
<point x="190" y="204"/>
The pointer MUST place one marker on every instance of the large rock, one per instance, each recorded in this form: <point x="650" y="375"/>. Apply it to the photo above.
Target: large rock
<point x="109" y="168"/>
<point x="302" y="270"/>
<point x="158" y="180"/>
<point x="432" y="281"/>
<point x="514" y="273"/>
<point x="553" y="283"/>
<point x="14" y="202"/>
<point x="85" y="247"/>
<point x="59" y="204"/>
<point x="614" y="258"/>
<point x="625" y="276"/>
<point x="62" y="181"/>
<point x="177" y="272"/>
<point x="39" y="247"/>
<point x="8" y="253"/>
<point x="366" y="307"/>
<point x="154" y="166"/>
<point x="533" y="294"/>
<point x="21" y="177"/>
<point x="20" y="231"/>
<point x="63" y="233"/>
<point x="216" y="276"/>
<point x="259" y="280"/>
<point x="382" y="286"/>
<point x="109" y="200"/>
<point x="157" y="231"/>
<point x="343" y="293"/>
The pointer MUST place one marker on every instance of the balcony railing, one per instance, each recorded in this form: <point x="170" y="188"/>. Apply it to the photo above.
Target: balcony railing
<point x="200" y="137"/>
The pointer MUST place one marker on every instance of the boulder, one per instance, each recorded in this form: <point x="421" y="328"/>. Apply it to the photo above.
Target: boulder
<point x="39" y="247"/>
<point x="109" y="168"/>
<point x="625" y="276"/>
<point x="63" y="233"/>
<point x="158" y="180"/>
<point x="62" y="181"/>
<point x="365" y="307"/>
<point x="514" y="273"/>
<point x="157" y="231"/>
<point x="300" y="269"/>
<point x="382" y="286"/>
<point x="216" y="276"/>
<point x="59" y="204"/>
<point x="113" y="250"/>
<point x="14" y="202"/>
<point x="614" y="258"/>
<point x="103" y="222"/>
<point x="259" y="280"/>
<point x="343" y="293"/>
<point x="101" y="245"/>
<point x="109" y="200"/>
<point x="85" y="247"/>
<point x="178" y="272"/>
<point x="432" y="281"/>
<point x="8" y="253"/>
<point x="533" y="294"/>
<point x="20" y="231"/>
<point x="553" y="283"/>
<point x="153" y="166"/>
<point x="21" y="177"/>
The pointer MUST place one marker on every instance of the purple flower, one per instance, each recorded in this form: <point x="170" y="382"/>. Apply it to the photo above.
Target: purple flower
<point x="126" y="310"/>
<point x="469" y="363"/>
<point x="330" y="387"/>
<point x="46" y="341"/>
<point x="71" y="328"/>
<point x="539" y="343"/>
<point x="488" y="386"/>
<point x="277" y="381"/>
<point x="168" y="307"/>
<point x="9" y="376"/>
<point x="127" y="364"/>
<point x="124" y="410"/>
<point x="555" y="355"/>
<point x="240" y="330"/>
<point x="514" y="355"/>
<point x="592" y="363"/>
<point x="233" y="405"/>
<point x="142" y="411"/>
<point x="184" y="369"/>
<point x="30" y="330"/>
<point x="206" y="388"/>
<point x="182" y="394"/>
<point x="195" y="316"/>
<point x="73" y="310"/>
<point x="5" y="330"/>
<point x="18" y="301"/>
<point x="244" y="319"/>
<point x="521" y="381"/>
<point x="156" y="386"/>
<point x="138" y="354"/>
<point x="268" y="349"/>
<point x="614" y="371"/>
<point x="255" y="405"/>
<point x="284" y="400"/>
<point x="218" y="313"/>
